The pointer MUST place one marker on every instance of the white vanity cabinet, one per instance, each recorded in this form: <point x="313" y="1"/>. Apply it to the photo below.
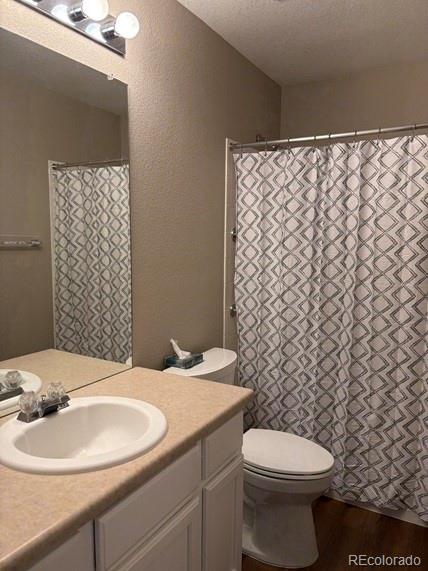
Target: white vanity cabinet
<point x="186" y="518"/>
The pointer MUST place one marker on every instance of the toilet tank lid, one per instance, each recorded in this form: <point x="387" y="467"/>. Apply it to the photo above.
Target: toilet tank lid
<point x="285" y="453"/>
<point x="215" y="359"/>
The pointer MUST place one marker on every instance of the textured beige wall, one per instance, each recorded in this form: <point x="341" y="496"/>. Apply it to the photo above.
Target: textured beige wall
<point x="381" y="98"/>
<point x="188" y="90"/>
<point x="38" y="125"/>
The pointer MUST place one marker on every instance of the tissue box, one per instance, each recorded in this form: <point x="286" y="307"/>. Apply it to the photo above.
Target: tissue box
<point x="186" y="363"/>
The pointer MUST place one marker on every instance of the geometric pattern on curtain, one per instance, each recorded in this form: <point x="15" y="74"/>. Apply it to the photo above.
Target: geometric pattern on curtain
<point x="92" y="262"/>
<point x="331" y="291"/>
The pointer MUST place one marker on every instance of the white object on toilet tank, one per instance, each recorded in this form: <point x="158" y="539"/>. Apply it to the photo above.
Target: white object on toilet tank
<point x="179" y="352"/>
<point x="218" y="365"/>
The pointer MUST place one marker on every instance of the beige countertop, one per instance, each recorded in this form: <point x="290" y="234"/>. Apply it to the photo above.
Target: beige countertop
<point x="37" y="513"/>
<point x="72" y="370"/>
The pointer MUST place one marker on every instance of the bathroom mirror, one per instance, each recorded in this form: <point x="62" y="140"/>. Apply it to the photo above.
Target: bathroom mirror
<point x="65" y="261"/>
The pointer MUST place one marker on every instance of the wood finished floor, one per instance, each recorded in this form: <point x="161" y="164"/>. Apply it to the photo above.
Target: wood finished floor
<point x="343" y="529"/>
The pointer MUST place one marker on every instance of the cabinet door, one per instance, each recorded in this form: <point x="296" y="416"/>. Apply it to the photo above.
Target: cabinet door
<point x="76" y="553"/>
<point x="128" y="525"/>
<point x="175" y="547"/>
<point x="222" y="519"/>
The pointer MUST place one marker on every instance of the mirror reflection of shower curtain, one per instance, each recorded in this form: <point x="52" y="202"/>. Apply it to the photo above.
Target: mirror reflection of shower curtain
<point x="92" y="261"/>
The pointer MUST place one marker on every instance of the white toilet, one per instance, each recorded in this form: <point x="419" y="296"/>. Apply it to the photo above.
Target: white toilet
<point x="283" y="475"/>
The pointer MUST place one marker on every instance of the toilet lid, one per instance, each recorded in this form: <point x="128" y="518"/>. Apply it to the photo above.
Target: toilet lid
<point x="284" y="453"/>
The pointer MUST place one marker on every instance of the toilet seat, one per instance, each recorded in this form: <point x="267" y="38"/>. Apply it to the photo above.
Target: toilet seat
<point x="284" y="456"/>
<point x="282" y="475"/>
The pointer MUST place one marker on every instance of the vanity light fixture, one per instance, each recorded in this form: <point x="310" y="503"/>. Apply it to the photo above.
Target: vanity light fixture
<point x="91" y="18"/>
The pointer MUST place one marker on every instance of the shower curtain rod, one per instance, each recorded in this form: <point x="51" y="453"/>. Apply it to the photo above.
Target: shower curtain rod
<point x="111" y="162"/>
<point x="239" y="146"/>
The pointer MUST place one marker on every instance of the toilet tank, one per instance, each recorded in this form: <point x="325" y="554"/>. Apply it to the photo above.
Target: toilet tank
<point x="218" y="365"/>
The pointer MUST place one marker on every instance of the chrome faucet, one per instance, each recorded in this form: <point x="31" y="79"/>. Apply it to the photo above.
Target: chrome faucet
<point x="34" y="407"/>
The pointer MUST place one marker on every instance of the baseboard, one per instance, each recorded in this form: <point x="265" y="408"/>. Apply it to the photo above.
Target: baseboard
<point x="403" y="515"/>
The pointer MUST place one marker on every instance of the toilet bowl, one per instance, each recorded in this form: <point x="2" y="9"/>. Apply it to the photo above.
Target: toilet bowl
<point x="283" y="475"/>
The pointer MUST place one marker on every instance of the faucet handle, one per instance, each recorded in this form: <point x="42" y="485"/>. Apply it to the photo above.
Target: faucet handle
<point x="13" y="380"/>
<point x="56" y="391"/>
<point x="29" y="404"/>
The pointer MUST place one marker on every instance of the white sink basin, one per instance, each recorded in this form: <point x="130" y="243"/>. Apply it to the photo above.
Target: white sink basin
<point x="91" y="434"/>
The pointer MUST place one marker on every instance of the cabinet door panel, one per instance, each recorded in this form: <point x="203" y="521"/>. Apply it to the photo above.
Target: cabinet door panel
<point x="222" y="519"/>
<point x="133" y="519"/>
<point x="75" y="553"/>
<point x="175" y="547"/>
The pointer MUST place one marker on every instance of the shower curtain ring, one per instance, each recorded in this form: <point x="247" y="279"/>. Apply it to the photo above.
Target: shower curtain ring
<point x="414" y="132"/>
<point x="266" y="144"/>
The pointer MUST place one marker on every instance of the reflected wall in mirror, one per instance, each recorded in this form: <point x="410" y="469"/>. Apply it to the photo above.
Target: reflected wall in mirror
<point x="65" y="265"/>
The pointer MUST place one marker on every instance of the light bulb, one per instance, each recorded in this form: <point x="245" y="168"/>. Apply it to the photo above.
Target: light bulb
<point x="94" y="30"/>
<point x="127" y="25"/>
<point x="60" y="11"/>
<point x="96" y="10"/>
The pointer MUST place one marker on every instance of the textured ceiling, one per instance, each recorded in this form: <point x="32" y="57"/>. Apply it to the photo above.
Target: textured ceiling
<point x="296" y="41"/>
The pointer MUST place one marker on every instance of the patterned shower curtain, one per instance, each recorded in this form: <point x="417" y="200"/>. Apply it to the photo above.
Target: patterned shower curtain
<point x="331" y="294"/>
<point x="92" y="263"/>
